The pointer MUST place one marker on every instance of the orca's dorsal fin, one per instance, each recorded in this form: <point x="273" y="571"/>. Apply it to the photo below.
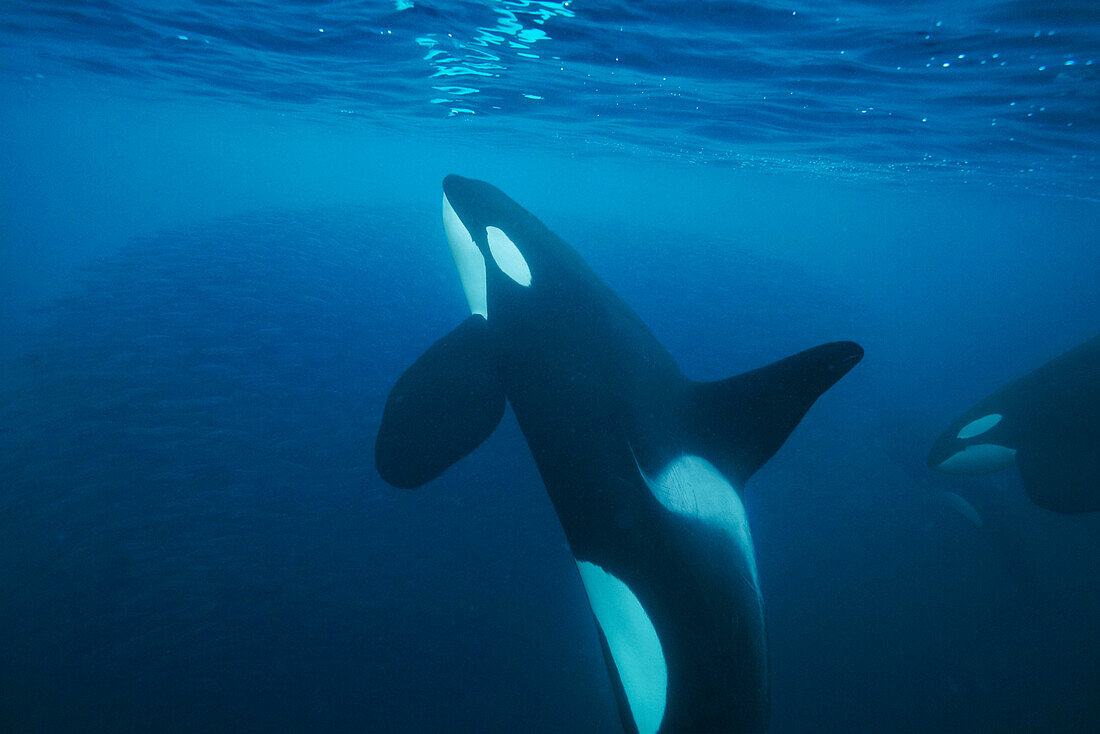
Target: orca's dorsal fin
<point x="441" y="408"/>
<point x="742" y="421"/>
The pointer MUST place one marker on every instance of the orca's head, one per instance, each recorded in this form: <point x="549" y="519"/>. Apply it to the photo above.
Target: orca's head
<point x="974" y="444"/>
<point x="496" y="243"/>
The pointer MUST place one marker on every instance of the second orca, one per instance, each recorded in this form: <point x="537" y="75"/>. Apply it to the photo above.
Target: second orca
<point x="1046" y="423"/>
<point x="644" y="466"/>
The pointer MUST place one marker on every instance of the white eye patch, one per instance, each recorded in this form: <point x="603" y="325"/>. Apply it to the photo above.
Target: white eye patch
<point x="508" y="257"/>
<point x="980" y="426"/>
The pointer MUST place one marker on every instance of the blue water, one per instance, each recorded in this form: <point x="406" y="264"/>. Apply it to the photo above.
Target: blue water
<point x="220" y="245"/>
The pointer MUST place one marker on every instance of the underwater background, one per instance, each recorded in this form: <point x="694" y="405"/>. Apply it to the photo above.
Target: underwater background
<point x="220" y="244"/>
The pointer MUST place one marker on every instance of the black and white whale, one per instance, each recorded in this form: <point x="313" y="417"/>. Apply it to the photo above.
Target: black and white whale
<point x="1047" y="423"/>
<point x="644" y="467"/>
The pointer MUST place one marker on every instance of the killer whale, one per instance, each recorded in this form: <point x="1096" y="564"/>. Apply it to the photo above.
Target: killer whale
<point x="1046" y="423"/>
<point x="644" y="467"/>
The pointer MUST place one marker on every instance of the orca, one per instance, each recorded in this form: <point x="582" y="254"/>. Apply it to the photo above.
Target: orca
<point x="1046" y="423"/>
<point x="644" y="467"/>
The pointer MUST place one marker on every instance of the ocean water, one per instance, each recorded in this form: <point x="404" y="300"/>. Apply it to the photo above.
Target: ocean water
<point x="220" y="245"/>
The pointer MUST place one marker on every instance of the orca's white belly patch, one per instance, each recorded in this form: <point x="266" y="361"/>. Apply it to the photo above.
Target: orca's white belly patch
<point x="633" y="642"/>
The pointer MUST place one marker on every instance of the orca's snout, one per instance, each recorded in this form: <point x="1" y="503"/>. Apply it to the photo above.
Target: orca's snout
<point x="941" y="451"/>
<point x="453" y="183"/>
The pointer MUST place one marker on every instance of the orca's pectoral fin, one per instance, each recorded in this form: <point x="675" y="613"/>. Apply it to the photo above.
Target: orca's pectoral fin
<point x="742" y="421"/>
<point x="441" y="408"/>
<point x="1061" y="480"/>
